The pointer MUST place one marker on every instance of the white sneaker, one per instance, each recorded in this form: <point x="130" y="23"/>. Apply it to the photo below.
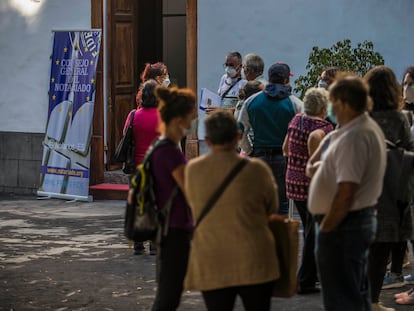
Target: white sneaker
<point x="380" y="307"/>
<point x="409" y="279"/>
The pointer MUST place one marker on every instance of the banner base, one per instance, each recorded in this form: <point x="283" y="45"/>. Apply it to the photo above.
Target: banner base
<point x="72" y="197"/>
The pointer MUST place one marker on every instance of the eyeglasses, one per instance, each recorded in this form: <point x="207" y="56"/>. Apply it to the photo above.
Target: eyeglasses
<point x="229" y="65"/>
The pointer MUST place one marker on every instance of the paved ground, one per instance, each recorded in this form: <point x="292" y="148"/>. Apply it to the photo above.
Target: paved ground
<point x="58" y="255"/>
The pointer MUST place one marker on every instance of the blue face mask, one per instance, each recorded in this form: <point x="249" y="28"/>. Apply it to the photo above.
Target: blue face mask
<point x="330" y="114"/>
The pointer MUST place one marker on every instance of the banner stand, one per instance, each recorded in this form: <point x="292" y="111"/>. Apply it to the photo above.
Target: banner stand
<point x="46" y="195"/>
<point x="65" y="169"/>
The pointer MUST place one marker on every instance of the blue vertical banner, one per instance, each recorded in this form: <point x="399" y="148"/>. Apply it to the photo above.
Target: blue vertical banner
<point x="66" y="148"/>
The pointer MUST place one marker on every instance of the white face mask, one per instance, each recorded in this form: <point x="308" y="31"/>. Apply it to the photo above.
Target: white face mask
<point x="190" y="130"/>
<point x="231" y="72"/>
<point x="166" y="81"/>
<point x="408" y="94"/>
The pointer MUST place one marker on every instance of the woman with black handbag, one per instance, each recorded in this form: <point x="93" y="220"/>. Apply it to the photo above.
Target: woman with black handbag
<point x="145" y="127"/>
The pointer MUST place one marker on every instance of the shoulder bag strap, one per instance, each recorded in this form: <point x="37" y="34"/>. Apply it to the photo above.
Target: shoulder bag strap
<point x="166" y="211"/>
<point x="131" y="118"/>
<point x="229" y="89"/>
<point x="220" y="190"/>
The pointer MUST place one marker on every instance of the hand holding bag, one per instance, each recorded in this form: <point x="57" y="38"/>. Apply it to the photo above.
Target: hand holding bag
<point x="286" y="233"/>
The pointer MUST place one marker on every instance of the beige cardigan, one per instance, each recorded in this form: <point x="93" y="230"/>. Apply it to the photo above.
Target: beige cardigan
<point x="233" y="245"/>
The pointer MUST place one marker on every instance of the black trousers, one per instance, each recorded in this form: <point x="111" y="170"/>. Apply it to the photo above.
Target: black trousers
<point x="172" y="260"/>
<point x="377" y="263"/>
<point x="307" y="274"/>
<point x="254" y="297"/>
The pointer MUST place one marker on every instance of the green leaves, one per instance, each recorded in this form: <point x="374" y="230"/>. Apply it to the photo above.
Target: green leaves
<point x="341" y="55"/>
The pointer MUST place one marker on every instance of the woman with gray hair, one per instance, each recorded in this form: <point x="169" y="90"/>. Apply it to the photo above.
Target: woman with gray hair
<point x="305" y="131"/>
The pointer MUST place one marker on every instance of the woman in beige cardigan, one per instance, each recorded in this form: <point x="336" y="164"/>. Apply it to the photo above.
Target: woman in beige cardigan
<point x="232" y="251"/>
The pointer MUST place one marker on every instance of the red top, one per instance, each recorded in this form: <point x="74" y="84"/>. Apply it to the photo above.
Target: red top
<point x="145" y="128"/>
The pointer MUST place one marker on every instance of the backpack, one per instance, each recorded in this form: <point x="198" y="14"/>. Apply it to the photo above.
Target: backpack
<point x="143" y="218"/>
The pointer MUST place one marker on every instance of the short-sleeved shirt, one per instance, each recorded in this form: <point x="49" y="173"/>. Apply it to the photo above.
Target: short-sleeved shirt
<point x="230" y="99"/>
<point x="357" y="154"/>
<point x="164" y="160"/>
<point x="297" y="183"/>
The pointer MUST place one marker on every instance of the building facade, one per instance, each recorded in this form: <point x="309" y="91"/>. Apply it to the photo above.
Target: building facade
<point x="191" y="36"/>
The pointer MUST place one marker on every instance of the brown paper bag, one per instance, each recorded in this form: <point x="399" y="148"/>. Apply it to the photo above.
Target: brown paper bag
<point x="286" y="234"/>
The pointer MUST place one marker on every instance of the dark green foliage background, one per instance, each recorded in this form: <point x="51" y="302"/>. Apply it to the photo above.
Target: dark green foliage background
<point x="359" y="60"/>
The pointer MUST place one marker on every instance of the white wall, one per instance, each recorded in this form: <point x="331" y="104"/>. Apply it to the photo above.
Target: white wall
<point x="276" y="30"/>
<point x="25" y="48"/>
<point x="287" y="31"/>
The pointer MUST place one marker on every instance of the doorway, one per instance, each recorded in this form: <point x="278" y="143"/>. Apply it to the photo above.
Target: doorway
<point x="140" y="32"/>
<point x="137" y="32"/>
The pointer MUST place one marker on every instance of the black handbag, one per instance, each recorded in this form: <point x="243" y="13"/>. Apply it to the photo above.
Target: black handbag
<point x="125" y="151"/>
<point x="399" y="174"/>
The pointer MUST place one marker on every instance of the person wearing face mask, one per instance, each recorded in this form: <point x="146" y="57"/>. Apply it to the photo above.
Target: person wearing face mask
<point x="393" y="228"/>
<point x="326" y="78"/>
<point x="158" y="72"/>
<point x="176" y="110"/>
<point x="305" y="132"/>
<point x="268" y="113"/>
<point x="145" y="128"/>
<point x="408" y="108"/>
<point x="231" y="81"/>
<point x="408" y="86"/>
<point x="346" y="182"/>
<point x="232" y="252"/>
<point x="408" y="89"/>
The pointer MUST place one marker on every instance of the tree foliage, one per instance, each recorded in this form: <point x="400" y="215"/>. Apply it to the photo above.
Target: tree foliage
<point x="340" y="55"/>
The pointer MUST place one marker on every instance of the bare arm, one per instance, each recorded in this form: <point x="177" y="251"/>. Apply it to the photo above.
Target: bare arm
<point x="342" y="202"/>
<point x="314" y="162"/>
<point x="314" y="140"/>
<point x="178" y="175"/>
<point x="285" y="146"/>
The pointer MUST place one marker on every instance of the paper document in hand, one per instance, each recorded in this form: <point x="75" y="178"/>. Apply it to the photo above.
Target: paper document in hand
<point x="209" y="98"/>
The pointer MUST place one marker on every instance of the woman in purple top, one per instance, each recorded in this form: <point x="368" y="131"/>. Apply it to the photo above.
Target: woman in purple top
<point x="177" y="111"/>
<point x="305" y="131"/>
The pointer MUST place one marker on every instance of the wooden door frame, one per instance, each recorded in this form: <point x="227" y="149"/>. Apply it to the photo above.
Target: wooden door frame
<point x="191" y="148"/>
<point x="97" y="145"/>
<point x="97" y="166"/>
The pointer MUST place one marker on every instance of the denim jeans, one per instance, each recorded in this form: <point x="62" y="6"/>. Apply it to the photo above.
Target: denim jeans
<point x="342" y="257"/>
<point x="278" y="164"/>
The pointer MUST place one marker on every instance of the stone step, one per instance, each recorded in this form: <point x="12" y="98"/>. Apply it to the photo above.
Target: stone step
<point x="109" y="191"/>
<point x="115" y="177"/>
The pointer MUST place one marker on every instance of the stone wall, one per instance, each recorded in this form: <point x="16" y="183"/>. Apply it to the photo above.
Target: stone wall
<point x="20" y="161"/>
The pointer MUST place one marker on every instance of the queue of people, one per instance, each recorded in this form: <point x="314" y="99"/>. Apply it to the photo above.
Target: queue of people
<point x="327" y="154"/>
